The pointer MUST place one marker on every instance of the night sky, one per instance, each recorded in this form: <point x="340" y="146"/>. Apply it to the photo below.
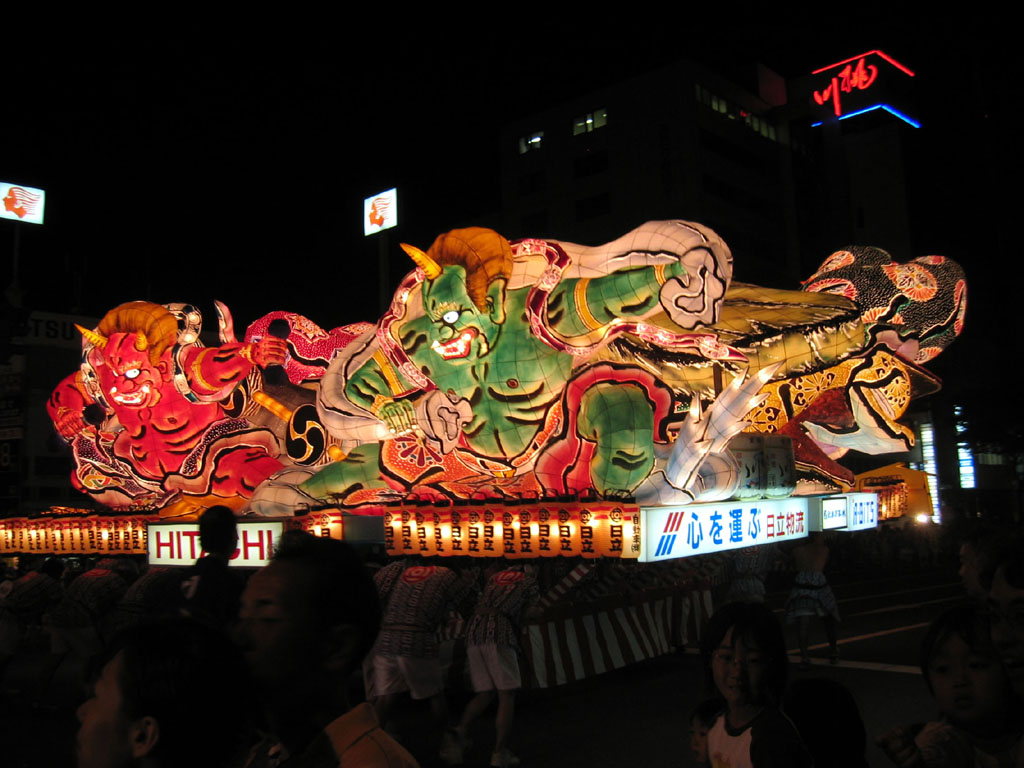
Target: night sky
<point x="189" y="161"/>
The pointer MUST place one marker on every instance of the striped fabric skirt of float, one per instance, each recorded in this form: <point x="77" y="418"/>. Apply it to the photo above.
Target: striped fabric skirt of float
<point x="600" y="639"/>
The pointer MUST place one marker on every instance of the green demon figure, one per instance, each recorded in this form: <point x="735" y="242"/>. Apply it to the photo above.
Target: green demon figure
<point x="485" y="374"/>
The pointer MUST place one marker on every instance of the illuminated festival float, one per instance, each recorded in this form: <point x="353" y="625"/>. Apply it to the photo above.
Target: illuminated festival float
<point x="532" y="398"/>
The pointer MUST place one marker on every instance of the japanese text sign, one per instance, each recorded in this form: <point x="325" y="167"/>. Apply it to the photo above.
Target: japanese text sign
<point x="534" y="529"/>
<point x="855" y="83"/>
<point x="700" y="529"/>
<point x="861" y="511"/>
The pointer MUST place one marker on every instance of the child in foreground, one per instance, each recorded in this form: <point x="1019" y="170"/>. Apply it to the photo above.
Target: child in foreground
<point x="979" y="724"/>
<point x="744" y="656"/>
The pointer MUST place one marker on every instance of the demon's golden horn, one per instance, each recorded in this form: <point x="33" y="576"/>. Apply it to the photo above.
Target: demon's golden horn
<point x="96" y="339"/>
<point x="141" y="342"/>
<point x="424" y="262"/>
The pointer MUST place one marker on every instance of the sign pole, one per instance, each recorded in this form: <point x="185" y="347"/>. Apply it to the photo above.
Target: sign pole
<point x="384" y="274"/>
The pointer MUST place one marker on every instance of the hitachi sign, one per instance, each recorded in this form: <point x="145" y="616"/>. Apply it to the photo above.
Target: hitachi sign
<point x="178" y="543"/>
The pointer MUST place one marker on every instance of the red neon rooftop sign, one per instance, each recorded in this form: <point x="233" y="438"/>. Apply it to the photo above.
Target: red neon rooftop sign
<point x="854" y="74"/>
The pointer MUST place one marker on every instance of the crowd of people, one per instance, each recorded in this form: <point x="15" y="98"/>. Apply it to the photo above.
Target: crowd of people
<point x="196" y="666"/>
<point x="199" y="667"/>
<point x="972" y="664"/>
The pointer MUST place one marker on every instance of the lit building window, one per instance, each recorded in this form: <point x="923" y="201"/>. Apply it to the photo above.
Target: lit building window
<point x="963" y="449"/>
<point x="530" y="142"/>
<point x="716" y="103"/>
<point x="590" y="122"/>
<point x="928" y="454"/>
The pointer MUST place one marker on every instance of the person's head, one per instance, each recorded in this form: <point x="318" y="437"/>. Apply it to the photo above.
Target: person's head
<point x="829" y="722"/>
<point x="218" y="533"/>
<point x="126" y="568"/>
<point x="169" y="693"/>
<point x="1006" y="612"/>
<point x="701" y="719"/>
<point x="744" y="655"/>
<point x="978" y="549"/>
<point x="309" y="617"/>
<point x="961" y="667"/>
<point x="52" y="567"/>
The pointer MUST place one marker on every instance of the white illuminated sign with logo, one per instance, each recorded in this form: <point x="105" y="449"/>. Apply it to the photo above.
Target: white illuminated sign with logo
<point x="699" y="529"/>
<point x="22" y="203"/>
<point x="861" y="511"/>
<point x="833" y="514"/>
<point x="380" y="212"/>
<point x="178" y="543"/>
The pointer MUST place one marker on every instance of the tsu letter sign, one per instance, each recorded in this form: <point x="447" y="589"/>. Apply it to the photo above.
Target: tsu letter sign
<point x="698" y="529"/>
<point x="22" y="203"/>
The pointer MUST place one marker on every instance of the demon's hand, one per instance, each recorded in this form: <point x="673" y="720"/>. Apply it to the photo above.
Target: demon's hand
<point x="268" y="350"/>
<point x="69" y="423"/>
<point x="694" y="296"/>
<point x="441" y="416"/>
<point x="67" y="408"/>
<point x="398" y="415"/>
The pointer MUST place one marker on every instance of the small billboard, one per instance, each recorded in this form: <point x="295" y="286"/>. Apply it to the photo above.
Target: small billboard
<point x="380" y="212"/>
<point x="700" y="529"/>
<point x="21" y="203"/>
<point x="178" y="543"/>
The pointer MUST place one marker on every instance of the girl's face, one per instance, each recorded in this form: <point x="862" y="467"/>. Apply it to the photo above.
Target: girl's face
<point x="738" y="671"/>
<point x="969" y="687"/>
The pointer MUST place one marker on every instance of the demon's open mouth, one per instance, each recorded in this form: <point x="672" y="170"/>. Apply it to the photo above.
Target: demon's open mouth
<point x="131" y="398"/>
<point x="457" y="347"/>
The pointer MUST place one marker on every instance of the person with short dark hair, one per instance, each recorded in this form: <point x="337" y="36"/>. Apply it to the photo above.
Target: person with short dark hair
<point x="172" y="693"/>
<point x="1006" y="610"/>
<point x="82" y="622"/>
<point x="211" y="590"/>
<point x="828" y="720"/>
<point x="978" y="548"/>
<point x="28" y="599"/>
<point x="980" y="720"/>
<point x="745" y="662"/>
<point x="307" y="620"/>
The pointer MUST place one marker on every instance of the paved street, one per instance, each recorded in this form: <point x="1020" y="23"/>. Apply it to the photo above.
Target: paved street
<point x="639" y="716"/>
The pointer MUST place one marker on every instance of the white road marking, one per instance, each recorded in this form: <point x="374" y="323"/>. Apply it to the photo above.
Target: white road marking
<point x="880" y="633"/>
<point x="902" y="592"/>
<point x="871" y="666"/>
<point x="905" y="606"/>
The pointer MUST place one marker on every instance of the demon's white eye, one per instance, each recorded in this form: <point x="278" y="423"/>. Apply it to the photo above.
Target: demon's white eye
<point x="131" y="374"/>
<point x="450" y="317"/>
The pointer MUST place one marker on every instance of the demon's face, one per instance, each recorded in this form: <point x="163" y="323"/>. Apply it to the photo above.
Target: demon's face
<point x="456" y="328"/>
<point x="128" y="378"/>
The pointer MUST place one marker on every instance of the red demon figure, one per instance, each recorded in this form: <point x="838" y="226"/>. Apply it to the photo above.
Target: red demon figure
<point x="160" y="429"/>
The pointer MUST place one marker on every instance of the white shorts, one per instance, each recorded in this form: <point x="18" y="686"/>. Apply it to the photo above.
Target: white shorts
<point x="421" y="677"/>
<point x="493" y="667"/>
